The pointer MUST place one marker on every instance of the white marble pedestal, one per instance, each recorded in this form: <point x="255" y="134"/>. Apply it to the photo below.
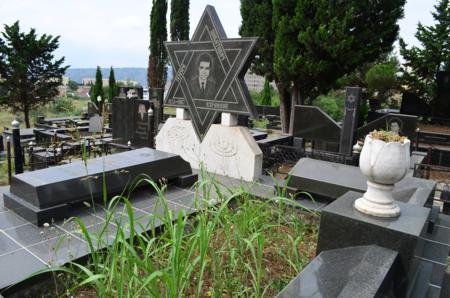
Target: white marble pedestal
<point x="227" y="149"/>
<point x="177" y="136"/>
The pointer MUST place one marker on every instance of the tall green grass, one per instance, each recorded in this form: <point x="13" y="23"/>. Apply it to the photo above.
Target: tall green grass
<point x="238" y="246"/>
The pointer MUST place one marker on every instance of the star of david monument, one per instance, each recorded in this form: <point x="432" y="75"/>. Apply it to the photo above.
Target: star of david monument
<point x="209" y="83"/>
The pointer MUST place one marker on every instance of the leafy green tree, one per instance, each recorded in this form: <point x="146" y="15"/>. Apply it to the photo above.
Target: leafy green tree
<point x="318" y="41"/>
<point x="157" y="68"/>
<point x="381" y="80"/>
<point x="266" y="94"/>
<point x="97" y="88"/>
<point x="112" y="86"/>
<point x="422" y="63"/>
<point x="257" y="18"/>
<point x="179" y="20"/>
<point x="72" y="85"/>
<point x="29" y="73"/>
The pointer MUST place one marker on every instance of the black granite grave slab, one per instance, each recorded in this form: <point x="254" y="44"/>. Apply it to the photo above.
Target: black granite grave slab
<point x="42" y="195"/>
<point x="331" y="180"/>
<point x="341" y="225"/>
<point x="407" y="125"/>
<point x="312" y="123"/>
<point x="359" y="272"/>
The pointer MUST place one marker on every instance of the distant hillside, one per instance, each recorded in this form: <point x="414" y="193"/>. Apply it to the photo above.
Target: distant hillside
<point x="125" y="73"/>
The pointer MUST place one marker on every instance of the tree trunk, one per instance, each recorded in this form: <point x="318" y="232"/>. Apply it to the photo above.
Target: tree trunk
<point x="26" y="112"/>
<point x="296" y="99"/>
<point x="285" y="107"/>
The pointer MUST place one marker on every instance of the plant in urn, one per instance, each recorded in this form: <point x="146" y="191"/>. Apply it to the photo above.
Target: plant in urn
<point x="384" y="160"/>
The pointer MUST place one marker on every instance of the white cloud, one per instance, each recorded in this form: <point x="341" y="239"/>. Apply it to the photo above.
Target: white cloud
<point x="113" y="32"/>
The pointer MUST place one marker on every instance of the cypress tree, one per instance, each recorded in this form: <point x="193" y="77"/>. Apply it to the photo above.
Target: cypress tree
<point x="423" y="63"/>
<point x="266" y="94"/>
<point x="257" y="21"/>
<point x="112" y="87"/>
<point x="179" y="20"/>
<point x="97" y="89"/>
<point x="156" y="75"/>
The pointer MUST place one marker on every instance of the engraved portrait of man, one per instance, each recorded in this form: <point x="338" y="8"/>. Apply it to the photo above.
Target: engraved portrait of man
<point x="203" y="85"/>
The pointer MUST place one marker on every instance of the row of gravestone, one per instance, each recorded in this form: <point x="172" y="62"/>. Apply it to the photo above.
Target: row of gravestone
<point x="311" y="123"/>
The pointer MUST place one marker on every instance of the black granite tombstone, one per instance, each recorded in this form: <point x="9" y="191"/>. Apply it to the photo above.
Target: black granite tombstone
<point x="405" y="125"/>
<point x="312" y="123"/>
<point x="209" y="71"/>
<point x="142" y="136"/>
<point x="442" y="108"/>
<point x="157" y="101"/>
<point x="414" y="105"/>
<point x="47" y="194"/>
<point x="351" y="272"/>
<point x="130" y="122"/>
<point x="350" y="121"/>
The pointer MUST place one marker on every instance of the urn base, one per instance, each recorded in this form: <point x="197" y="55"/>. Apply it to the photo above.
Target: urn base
<point x="378" y="201"/>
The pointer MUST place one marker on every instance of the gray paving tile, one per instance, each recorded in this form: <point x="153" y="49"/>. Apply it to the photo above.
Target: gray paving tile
<point x="86" y="217"/>
<point x="101" y="234"/>
<point x="173" y="192"/>
<point x="2" y="204"/>
<point x="7" y="245"/>
<point x="16" y="266"/>
<point x="30" y="234"/>
<point x="160" y="211"/>
<point x="60" y="250"/>
<point x="10" y="220"/>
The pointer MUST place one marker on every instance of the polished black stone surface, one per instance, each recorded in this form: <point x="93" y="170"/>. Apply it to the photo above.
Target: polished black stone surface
<point x="44" y="194"/>
<point x="209" y="71"/>
<point x="341" y="225"/>
<point x="332" y="180"/>
<point x="26" y="248"/>
<point x="130" y="122"/>
<point x="312" y="123"/>
<point x="359" y="272"/>
<point x="407" y="125"/>
<point x="349" y="123"/>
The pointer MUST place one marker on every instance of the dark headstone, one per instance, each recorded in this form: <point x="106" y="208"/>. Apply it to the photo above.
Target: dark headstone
<point x="156" y="96"/>
<point x="442" y="109"/>
<point x="142" y="136"/>
<point x="350" y="121"/>
<point x="330" y="180"/>
<point x="130" y="122"/>
<point x="414" y="105"/>
<point x="18" y="154"/>
<point x="351" y="272"/>
<point x="92" y="109"/>
<point x="209" y="71"/>
<point x="96" y="124"/>
<point x="312" y="123"/>
<point x="405" y="124"/>
<point x="42" y="195"/>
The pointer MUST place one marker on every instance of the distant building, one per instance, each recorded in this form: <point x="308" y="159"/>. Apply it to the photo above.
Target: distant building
<point x="83" y="91"/>
<point x="91" y="81"/>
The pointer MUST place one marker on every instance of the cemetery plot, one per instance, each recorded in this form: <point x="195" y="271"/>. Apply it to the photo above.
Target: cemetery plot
<point x="42" y="195"/>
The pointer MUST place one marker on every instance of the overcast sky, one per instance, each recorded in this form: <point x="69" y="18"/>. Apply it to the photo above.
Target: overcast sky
<point x="112" y="32"/>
